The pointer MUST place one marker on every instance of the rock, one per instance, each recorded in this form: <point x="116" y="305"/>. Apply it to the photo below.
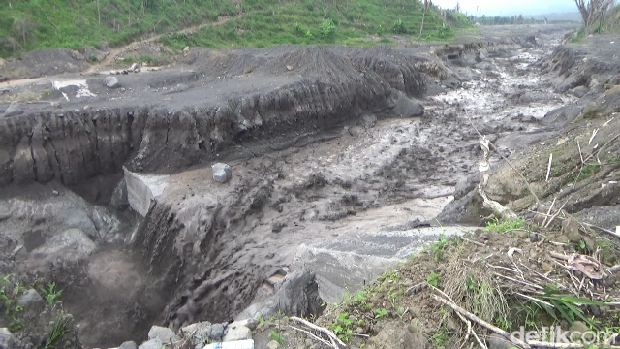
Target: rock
<point x="289" y="68"/>
<point x="533" y="237"/>
<point x="579" y="91"/>
<point x="396" y="336"/>
<point x="164" y="334"/>
<point x="221" y="172"/>
<point x="5" y="213"/>
<point x="407" y="107"/>
<point x="298" y="294"/>
<point x="68" y="247"/>
<point x="29" y="297"/>
<point x="155" y="343"/>
<point x="570" y="228"/>
<point x="198" y="332"/>
<point x="128" y="345"/>
<point x="181" y="87"/>
<point x="273" y="345"/>
<point x="217" y="331"/>
<point x="497" y="341"/>
<point x="119" y="195"/>
<point x="186" y="51"/>
<point x="528" y="118"/>
<point x="7" y="340"/>
<point x="579" y="328"/>
<point x="368" y="121"/>
<point x="111" y="82"/>
<point x="236" y="332"/>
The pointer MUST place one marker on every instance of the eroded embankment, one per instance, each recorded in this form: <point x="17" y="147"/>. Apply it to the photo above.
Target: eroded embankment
<point x="327" y="90"/>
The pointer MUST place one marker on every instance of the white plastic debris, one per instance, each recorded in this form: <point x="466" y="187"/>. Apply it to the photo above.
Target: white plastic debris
<point x="244" y="344"/>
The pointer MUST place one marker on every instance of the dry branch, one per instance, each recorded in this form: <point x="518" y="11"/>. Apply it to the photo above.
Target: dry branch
<point x="479" y="321"/>
<point x="325" y="331"/>
<point x="311" y="335"/>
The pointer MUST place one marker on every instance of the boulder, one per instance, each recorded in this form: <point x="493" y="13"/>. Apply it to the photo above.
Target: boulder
<point x="217" y="331"/>
<point x="68" y="247"/>
<point x="164" y="334"/>
<point x="128" y="345"/>
<point x="119" y="195"/>
<point x="236" y="332"/>
<point x="30" y="297"/>
<point x="497" y="341"/>
<point x="111" y="82"/>
<point x="7" y="340"/>
<point x="368" y="121"/>
<point x="222" y="173"/>
<point x="198" y="332"/>
<point x="155" y="343"/>
<point x="273" y="345"/>
<point x="405" y="106"/>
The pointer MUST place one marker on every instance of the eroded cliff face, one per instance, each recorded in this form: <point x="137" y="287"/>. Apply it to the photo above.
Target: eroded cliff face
<point x="328" y="90"/>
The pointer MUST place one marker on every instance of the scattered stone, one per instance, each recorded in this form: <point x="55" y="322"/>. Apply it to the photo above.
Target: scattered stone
<point x="54" y="192"/>
<point x="7" y="340"/>
<point x="181" y="87"/>
<point x="221" y="172"/>
<point x="497" y="341"/>
<point x="237" y="332"/>
<point x="528" y="118"/>
<point x="533" y="237"/>
<point x="111" y="82"/>
<point x="186" y="51"/>
<point x="29" y="297"/>
<point x="273" y="345"/>
<point x="154" y="343"/>
<point x="128" y="345"/>
<point x="217" y="331"/>
<point x="164" y="334"/>
<point x="5" y="213"/>
<point x="289" y="67"/>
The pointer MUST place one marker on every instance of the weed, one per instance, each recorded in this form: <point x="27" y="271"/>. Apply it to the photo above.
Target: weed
<point x="586" y="171"/>
<point x="59" y="329"/>
<point x="51" y="293"/>
<point x="276" y="336"/>
<point x="564" y="306"/>
<point x="441" y="337"/>
<point x="399" y="27"/>
<point x="342" y="326"/>
<point x="433" y="278"/>
<point x="129" y="60"/>
<point x="381" y="313"/>
<point x="505" y="225"/>
<point x="438" y="248"/>
<point x="16" y="325"/>
<point x="328" y="29"/>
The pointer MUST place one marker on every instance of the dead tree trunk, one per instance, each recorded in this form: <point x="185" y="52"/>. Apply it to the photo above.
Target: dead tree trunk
<point x="592" y="11"/>
<point x="427" y="4"/>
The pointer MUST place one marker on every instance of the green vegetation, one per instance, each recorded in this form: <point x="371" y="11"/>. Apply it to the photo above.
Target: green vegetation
<point x="433" y="278"/>
<point x="27" y="25"/>
<point x="60" y="328"/>
<point x="276" y="336"/>
<point x="505" y="225"/>
<point x="342" y="326"/>
<point x="438" y="249"/>
<point x="51" y="294"/>
<point x="586" y="171"/>
<point x="9" y="292"/>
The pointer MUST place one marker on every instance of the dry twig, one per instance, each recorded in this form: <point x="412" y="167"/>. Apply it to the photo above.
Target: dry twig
<point x="325" y="331"/>
<point x="479" y="321"/>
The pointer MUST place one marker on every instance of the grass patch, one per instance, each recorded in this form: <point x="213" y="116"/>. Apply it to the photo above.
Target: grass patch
<point x="438" y="248"/>
<point x="59" y="329"/>
<point x="276" y="336"/>
<point x="586" y="171"/>
<point x="27" y="25"/>
<point x="505" y="225"/>
<point x="590" y="113"/>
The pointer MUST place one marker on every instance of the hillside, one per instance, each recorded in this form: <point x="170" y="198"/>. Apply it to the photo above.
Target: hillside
<point x="76" y="23"/>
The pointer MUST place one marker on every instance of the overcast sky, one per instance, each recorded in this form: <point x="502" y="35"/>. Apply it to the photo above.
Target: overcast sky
<point x="510" y="7"/>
